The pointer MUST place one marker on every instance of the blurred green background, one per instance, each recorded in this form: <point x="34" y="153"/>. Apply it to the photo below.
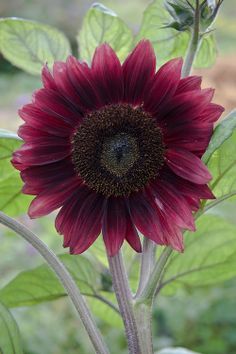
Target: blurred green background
<point x="204" y="319"/>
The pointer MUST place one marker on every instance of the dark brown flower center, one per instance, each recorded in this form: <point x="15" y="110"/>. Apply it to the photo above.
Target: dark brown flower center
<point x="118" y="149"/>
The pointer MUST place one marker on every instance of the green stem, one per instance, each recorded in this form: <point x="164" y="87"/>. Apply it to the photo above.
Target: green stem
<point x="143" y="316"/>
<point x="149" y="291"/>
<point x="193" y="44"/>
<point x="65" y="278"/>
<point x="125" y="301"/>
<point x="147" y="264"/>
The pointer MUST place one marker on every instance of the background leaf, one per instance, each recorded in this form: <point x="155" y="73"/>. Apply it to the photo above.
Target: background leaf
<point x="209" y="256"/>
<point x="207" y="52"/>
<point x="12" y="201"/>
<point x="41" y="284"/>
<point x="168" y="42"/>
<point x="102" y="25"/>
<point x="221" y="133"/>
<point x="10" y="341"/>
<point x="222" y="163"/>
<point x="29" y="45"/>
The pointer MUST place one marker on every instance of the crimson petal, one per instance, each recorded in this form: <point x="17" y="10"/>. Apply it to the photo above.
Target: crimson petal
<point x="138" y="71"/>
<point x="108" y="75"/>
<point x="114" y="225"/>
<point x="188" y="166"/>
<point x="53" y="197"/>
<point x="145" y="217"/>
<point x="163" y="86"/>
<point x="38" y="119"/>
<point x="173" y="204"/>
<point x="189" y="84"/>
<point x="34" y="154"/>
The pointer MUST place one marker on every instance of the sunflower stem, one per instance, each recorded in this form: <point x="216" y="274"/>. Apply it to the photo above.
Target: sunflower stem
<point x="148" y="293"/>
<point x="125" y="301"/>
<point x="65" y="278"/>
<point x="147" y="263"/>
<point x="193" y="44"/>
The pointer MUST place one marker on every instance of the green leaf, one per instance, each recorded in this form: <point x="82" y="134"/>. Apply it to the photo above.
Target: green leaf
<point x="41" y="284"/>
<point x="98" y="308"/>
<point x="222" y="132"/>
<point x="102" y="25"/>
<point x="221" y="157"/>
<point x="209" y="256"/>
<point x="29" y="45"/>
<point x="207" y="52"/>
<point x="10" y="341"/>
<point x="168" y="42"/>
<point x="12" y="201"/>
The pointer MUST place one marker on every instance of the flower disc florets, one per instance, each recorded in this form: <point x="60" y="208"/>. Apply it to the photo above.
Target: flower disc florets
<point x="118" y="149"/>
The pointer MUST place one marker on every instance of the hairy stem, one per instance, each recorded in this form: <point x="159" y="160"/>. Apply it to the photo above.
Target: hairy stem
<point x="147" y="263"/>
<point x="125" y="301"/>
<point x="65" y="278"/>
<point x="148" y="293"/>
<point x="193" y="44"/>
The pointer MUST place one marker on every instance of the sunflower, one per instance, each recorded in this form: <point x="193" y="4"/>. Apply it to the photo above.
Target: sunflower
<point x="118" y="148"/>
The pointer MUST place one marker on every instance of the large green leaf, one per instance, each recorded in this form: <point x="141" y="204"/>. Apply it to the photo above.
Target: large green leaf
<point x="209" y="256"/>
<point x="221" y="133"/>
<point x="207" y="52"/>
<point x="102" y="25"/>
<point x="12" y="201"/>
<point x="168" y="42"/>
<point x="29" y="45"/>
<point x="222" y="162"/>
<point x="99" y="308"/>
<point x="41" y="284"/>
<point x="10" y="341"/>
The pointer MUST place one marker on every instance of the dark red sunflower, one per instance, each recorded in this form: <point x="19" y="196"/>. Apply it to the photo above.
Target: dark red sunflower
<point x="118" y="148"/>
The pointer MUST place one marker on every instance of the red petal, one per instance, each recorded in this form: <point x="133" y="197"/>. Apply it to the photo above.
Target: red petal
<point x="81" y="77"/>
<point x="163" y="86"/>
<point x="34" y="154"/>
<point x="114" y="225"/>
<point x="44" y="176"/>
<point x="212" y="113"/>
<point x="172" y="204"/>
<point x="145" y="217"/>
<point x="107" y="73"/>
<point x="52" y="198"/>
<point x="64" y="84"/>
<point x="45" y="122"/>
<point x="88" y="223"/>
<point x="131" y="235"/>
<point x="189" y="84"/>
<point x="188" y="166"/>
<point x="186" y="107"/>
<point x="48" y="81"/>
<point x="32" y="135"/>
<point x="79" y="220"/>
<point x="138" y="70"/>
<point x="56" y="105"/>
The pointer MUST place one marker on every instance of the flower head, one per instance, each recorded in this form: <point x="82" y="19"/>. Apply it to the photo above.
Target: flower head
<point x="118" y="147"/>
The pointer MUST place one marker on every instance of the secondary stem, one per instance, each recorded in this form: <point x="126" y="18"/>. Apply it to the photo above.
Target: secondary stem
<point x="149" y="291"/>
<point x="147" y="263"/>
<point x="65" y="278"/>
<point x="194" y="43"/>
<point x="125" y="301"/>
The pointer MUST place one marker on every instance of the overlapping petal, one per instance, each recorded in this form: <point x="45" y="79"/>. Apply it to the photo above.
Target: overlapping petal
<point x="138" y="71"/>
